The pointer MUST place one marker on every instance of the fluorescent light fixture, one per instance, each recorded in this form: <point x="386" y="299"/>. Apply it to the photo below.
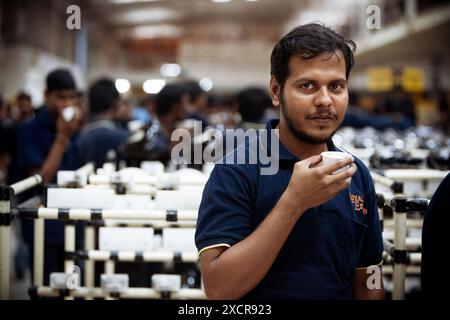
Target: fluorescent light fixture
<point x="170" y="70"/>
<point x="122" y="85"/>
<point x="221" y="1"/>
<point x="161" y="31"/>
<point x="328" y="17"/>
<point x="153" y="86"/>
<point x="144" y="15"/>
<point x="206" y="84"/>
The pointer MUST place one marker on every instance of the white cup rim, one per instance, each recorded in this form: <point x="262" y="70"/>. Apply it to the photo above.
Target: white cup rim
<point x="335" y="155"/>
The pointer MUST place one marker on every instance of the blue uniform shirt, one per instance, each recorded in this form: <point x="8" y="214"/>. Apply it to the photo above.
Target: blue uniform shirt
<point x="325" y="247"/>
<point x="35" y="140"/>
<point x="97" y="139"/>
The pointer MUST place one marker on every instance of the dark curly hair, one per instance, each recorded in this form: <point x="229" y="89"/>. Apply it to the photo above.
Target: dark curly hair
<point x="308" y="41"/>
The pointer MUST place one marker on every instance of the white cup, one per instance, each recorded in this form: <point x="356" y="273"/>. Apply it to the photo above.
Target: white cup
<point x="329" y="157"/>
<point x="69" y="113"/>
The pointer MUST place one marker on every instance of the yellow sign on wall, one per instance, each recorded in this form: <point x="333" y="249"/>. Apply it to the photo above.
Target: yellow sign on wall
<point x="380" y="79"/>
<point x="412" y="80"/>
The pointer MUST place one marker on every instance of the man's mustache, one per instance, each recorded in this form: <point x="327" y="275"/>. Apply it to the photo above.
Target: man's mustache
<point x="327" y="115"/>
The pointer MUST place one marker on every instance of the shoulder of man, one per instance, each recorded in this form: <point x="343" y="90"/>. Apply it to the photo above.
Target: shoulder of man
<point x="28" y="129"/>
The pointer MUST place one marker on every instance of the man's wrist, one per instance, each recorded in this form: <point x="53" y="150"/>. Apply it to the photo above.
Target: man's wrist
<point x="292" y="203"/>
<point x="62" y="140"/>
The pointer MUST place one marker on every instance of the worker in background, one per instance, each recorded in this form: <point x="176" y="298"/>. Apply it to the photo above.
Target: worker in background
<point x="101" y="134"/>
<point x="45" y="145"/>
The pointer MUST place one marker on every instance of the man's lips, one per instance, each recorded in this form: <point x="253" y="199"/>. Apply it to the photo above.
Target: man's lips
<point x="323" y="120"/>
<point x="323" y="117"/>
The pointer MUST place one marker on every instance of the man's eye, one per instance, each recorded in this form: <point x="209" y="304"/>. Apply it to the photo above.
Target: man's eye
<point x="336" y="86"/>
<point x="306" y="85"/>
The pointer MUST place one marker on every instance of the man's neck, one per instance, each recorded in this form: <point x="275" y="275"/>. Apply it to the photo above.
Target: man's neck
<point x="298" y="148"/>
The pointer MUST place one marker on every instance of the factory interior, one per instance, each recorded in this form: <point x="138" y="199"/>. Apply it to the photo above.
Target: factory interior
<point x="113" y="183"/>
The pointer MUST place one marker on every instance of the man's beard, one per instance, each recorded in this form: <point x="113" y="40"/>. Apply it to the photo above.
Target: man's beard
<point x="301" y="135"/>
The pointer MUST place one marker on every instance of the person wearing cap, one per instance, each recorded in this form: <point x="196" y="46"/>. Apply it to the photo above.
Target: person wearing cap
<point x="301" y="232"/>
<point x="45" y="145"/>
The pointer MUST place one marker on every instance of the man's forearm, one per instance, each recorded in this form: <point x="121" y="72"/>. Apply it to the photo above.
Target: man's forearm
<point x="54" y="158"/>
<point x="369" y="294"/>
<point x="240" y="268"/>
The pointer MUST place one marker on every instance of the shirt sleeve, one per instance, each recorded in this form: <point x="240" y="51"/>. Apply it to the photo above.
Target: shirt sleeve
<point x="372" y="248"/>
<point x="225" y="213"/>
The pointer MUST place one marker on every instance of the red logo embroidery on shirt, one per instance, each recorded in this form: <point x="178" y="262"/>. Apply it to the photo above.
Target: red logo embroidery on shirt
<point x="358" y="203"/>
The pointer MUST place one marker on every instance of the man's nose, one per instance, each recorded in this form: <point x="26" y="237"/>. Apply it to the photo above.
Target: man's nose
<point x="322" y="98"/>
<point x="69" y="102"/>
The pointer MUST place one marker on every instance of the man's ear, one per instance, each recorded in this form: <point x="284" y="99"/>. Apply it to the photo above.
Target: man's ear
<point x="275" y="92"/>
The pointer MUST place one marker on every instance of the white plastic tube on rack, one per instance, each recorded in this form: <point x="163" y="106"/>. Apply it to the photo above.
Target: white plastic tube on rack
<point x="399" y="272"/>
<point x="130" y="293"/>
<point x="5" y="233"/>
<point x="4" y="262"/>
<point x="38" y="261"/>
<point x="26" y="184"/>
<point x="89" y="265"/>
<point x="69" y="246"/>
<point x="129" y="214"/>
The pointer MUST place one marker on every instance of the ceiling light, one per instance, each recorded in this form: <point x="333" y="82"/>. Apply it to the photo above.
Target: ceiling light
<point x="153" y="86"/>
<point x="160" y="31"/>
<point x="144" y="15"/>
<point x="122" y="85"/>
<point x="170" y="70"/>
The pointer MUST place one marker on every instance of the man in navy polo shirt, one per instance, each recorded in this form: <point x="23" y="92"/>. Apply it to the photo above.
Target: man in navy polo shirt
<point x="302" y="233"/>
<point x="46" y="144"/>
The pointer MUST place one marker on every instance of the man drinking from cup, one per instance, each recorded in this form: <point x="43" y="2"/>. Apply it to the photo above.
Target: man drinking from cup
<point x="304" y="232"/>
